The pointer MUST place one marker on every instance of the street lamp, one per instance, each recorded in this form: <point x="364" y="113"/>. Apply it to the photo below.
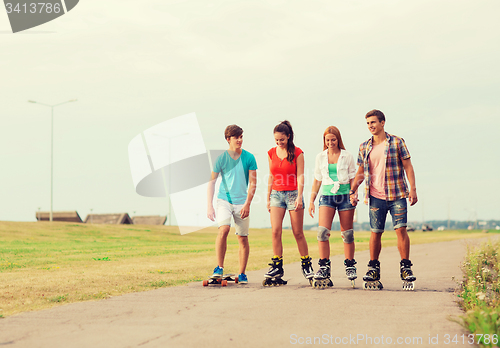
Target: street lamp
<point x="51" y="145"/>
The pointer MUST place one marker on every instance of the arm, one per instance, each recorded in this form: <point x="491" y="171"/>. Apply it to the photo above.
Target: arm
<point x="269" y="186"/>
<point x="354" y="196"/>
<point x="300" y="181"/>
<point x="410" y="174"/>
<point x="252" y="185"/>
<point x="358" y="179"/>
<point x="314" y="192"/>
<point x="210" y="196"/>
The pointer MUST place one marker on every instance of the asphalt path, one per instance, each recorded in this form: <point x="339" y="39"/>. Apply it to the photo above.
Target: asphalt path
<point x="254" y="316"/>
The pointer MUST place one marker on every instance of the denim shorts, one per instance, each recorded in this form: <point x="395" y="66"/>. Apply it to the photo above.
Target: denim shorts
<point x="378" y="213"/>
<point x="285" y="199"/>
<point x="339" y="202"/>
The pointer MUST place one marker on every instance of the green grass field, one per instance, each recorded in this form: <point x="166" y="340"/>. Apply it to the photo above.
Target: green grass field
<point x="480" y="292"/>
<point x="48" y="264"/>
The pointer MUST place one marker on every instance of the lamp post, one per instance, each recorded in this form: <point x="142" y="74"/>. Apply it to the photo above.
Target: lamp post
<point x="51" y="145"/>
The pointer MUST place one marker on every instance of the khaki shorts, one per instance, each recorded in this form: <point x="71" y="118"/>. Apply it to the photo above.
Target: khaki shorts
<point x="224" y="212"/>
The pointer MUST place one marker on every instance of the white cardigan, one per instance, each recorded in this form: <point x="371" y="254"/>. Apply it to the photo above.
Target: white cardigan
<point x="346" y="169"/>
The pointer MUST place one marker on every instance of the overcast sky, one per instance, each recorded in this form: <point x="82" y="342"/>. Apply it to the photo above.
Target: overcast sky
<point x="430" y="66"/>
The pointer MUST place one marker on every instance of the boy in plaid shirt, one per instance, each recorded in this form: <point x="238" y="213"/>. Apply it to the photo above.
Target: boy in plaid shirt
<point x="383" y="161"/>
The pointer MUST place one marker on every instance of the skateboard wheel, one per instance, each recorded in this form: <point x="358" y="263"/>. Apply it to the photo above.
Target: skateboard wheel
<point x="223" y="283"/>
<point x="205" y="283"/>
<point x="236" y="280"/>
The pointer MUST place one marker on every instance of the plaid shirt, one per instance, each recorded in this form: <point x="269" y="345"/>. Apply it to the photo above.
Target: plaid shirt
<point x="395" y="182"/>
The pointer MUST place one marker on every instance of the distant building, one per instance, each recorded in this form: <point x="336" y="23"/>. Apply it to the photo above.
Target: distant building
<point x="66" y="216"/>
<point x="149" y="220"/>
<point x="112" y="219"/>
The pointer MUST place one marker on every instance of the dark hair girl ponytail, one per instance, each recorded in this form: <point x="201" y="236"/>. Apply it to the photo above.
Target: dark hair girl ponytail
<point x="286" y="128"/>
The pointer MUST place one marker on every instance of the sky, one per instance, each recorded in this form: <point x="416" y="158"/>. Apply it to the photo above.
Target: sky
<point x="431" y="67"/>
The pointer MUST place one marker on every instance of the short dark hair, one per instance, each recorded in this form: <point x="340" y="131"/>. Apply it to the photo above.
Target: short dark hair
<point x="380" y="115"/>
<point x="233" y="131"/>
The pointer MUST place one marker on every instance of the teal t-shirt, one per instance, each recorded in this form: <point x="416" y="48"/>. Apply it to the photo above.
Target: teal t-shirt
<point x="235" y="174"/>
<point x="343" y="189"/>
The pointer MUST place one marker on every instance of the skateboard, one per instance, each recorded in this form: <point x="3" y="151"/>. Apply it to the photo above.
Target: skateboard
<point x="222" y="281"/>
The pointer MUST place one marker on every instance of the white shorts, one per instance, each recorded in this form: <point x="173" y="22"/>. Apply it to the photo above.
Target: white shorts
<point x="224" y="212"/>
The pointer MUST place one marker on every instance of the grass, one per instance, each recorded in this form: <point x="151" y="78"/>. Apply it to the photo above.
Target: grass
<point x="44" y="264"/>
<point x="480" y="293"/>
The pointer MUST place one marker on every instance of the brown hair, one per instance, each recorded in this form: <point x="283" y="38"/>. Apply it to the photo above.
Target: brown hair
<point x="380" y="115"/>
<point x="233" y="131"/>
<point x="335" y="131"/>
<point x="286" y="128"/>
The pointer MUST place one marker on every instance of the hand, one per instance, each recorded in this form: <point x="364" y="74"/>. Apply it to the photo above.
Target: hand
<point x="298" y="203"/>
<point x="211" y="213"/>
<point x="413" y="197"/>
<point x="268" y="205"/>
<point x="354" y="199"/>
<point x="311" y="209"/>
<point x="245" y="211"/>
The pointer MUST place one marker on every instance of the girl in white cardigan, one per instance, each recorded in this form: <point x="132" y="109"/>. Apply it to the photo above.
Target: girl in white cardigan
<point x="335" y="170"/>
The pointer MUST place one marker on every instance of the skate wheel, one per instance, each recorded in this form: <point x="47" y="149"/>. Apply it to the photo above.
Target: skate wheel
<point x="205" y="283"/>
<point x="264" y="282"/>
<point x="353" y="283"/>
<point x="236" y="279"/>
<point x="408" y="286"/>
<point x="223" y="283"/>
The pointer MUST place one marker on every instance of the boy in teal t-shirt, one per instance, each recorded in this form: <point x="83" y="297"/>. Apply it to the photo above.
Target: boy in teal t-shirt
<point x="238" y="172"/>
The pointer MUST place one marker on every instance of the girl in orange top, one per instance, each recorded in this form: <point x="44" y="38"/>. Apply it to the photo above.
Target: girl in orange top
<point x="285" y="192"/>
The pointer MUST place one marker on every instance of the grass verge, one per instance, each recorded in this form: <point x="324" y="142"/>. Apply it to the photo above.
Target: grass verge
<point x="480" y="293"/>
<point x="44" y="264"/>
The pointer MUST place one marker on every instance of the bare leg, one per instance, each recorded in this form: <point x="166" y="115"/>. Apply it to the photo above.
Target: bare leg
<point x="346" y="218"/>
<point x="243" y="252"/>
<point x="297" y="220"/>
<point x="277" y="215"/>
<point x="326" y="215"/>
<point x="221" y="244"/>
<point x="375" y="245"/>
<point x="403" y="242"/>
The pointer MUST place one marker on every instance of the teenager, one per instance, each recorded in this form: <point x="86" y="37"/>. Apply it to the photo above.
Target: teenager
<point x="335" y="170"/>
<point x="383" y="161"/>
<point x="285" y="193"/>
<point x="237" y="168"/>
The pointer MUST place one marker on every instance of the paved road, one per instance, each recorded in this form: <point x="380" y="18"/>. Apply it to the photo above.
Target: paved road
<point x="254" y="316"/>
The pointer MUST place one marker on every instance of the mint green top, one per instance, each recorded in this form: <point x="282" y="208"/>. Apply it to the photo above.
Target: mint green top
<point x="332" y="172"/>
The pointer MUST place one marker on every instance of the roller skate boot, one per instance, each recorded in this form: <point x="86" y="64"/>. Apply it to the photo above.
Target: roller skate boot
<point x="407" y="275"/>
<point x="322" y="277"/>
<point x="350" y="270"/>
<point x="275" y="273"/>
<point x="307" y="269"/>
<point x="371" y="280"/>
